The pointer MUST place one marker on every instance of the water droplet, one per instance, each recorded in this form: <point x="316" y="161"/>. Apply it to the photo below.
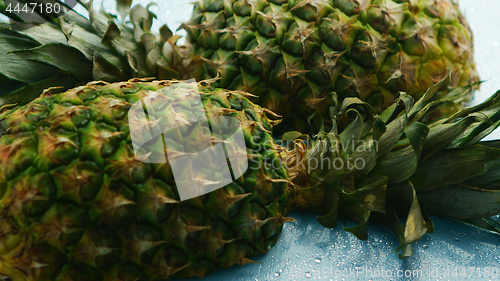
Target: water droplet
<point x="317" y="260"/>
<point x="457" y="239"/>
<point x="277" y="274"/>
<point x="425" y="246"/>
<point x="308" y="274"/>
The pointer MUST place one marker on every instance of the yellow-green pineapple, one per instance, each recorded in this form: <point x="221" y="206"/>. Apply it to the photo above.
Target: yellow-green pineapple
<point x="300" y="56"/>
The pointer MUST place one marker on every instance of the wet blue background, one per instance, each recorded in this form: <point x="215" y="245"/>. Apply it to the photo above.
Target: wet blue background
<point x="308" y="251"/>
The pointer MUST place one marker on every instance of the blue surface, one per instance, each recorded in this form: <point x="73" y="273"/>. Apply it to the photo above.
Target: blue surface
<point x="307" y="251"/>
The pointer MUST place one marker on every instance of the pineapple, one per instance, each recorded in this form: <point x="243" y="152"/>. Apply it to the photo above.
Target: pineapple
<point x="78" y="202"/>
<point x="299" y="57"/>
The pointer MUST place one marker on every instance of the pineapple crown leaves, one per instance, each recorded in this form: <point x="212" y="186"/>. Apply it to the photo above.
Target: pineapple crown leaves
<point x="123" y="7"/>
<point x="396" y="149"/>
<point x="467" y="161"/>
<point x="71" y="50"/>
<point x="473" y="195"/>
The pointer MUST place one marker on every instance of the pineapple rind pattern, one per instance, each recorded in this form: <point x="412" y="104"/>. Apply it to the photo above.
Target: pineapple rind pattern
<point x="76" y="204"/>
<point x="299" y="57"/>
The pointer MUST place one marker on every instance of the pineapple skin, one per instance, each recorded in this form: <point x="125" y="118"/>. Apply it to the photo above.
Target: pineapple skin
<point x="76" y="204"/>
<point x="299" y="57"/>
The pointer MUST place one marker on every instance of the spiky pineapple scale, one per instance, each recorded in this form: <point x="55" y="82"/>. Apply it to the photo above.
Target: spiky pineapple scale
<point x="299" y="56"/>
<point x="76" y="204"/>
